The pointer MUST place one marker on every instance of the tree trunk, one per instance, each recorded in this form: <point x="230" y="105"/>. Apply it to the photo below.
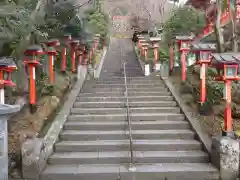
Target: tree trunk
<point x="218" y="31"/>
<point x="233" y="16"/>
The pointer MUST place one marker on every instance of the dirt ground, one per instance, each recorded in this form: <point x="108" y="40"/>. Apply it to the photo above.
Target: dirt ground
<point x="25" y="125"/>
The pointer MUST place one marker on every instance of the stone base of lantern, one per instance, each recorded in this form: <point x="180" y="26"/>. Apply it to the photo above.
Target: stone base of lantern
<point x="225" y="156"/>
<point x="146" y="69"/>
<point x="90" y="74"/>
<point x="157" y="67"/>
<point x="79" y="70"/>
<point x="63" y="72"/>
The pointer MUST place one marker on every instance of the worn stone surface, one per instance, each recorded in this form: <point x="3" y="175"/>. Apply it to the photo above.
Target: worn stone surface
<point x="97" y="70"/>
<point x="225" y="156"/>
<point x="120" y="51"/>
<point x="35" y="152"/>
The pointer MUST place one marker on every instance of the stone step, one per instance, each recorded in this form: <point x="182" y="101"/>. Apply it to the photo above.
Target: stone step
<point x="123" y="99"/>
<point x="119" y="157"/>
<point x="120" y="145"/>
<point x="136" y="125"/>
<point x="139" y="85"/>
<point x="122" y="89"/>
<point x="166" y="171"/>
<point x="115" y="78"/>
<point x="131" y="93"/>
<point x="123" y="117"/>
<point x="115" y="104"/>
<point x="129" y="81"/>
<point x="74" y="135"/>
<point x="124" y="110"/>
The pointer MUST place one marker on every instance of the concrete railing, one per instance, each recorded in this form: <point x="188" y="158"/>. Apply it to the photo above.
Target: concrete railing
<point x="35" y="152"/>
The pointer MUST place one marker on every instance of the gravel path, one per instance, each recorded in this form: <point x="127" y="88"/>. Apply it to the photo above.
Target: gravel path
<point x="120" y="51"/>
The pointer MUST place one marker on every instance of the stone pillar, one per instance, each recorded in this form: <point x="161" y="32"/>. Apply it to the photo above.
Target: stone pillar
<point x="225" y="156"/>
<point x="5" y="112"/>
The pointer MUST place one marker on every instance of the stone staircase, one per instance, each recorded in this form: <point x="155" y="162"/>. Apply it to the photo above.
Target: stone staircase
<point x="94" y="144"/>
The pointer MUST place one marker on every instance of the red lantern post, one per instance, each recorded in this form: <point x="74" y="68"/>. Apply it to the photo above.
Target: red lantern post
<point x="171" y="59"/>
<point x="80" y="59"/>
<point x="67" y="39"/>
<point x="85" y="55"/>
<point x="145" y="50"/>
<point x="140" y="38"/>
<point x="142" y="41"/>
<point x="155" y="41"/>
<point x="7" y="65"/>
<point x="52" y="53"/>
<point x="228" y="64"/>
<point x="31" y="62"/>
<point x="184" y="42"/>
<point x="73" y="44"/>
<point x="203" y="53"/>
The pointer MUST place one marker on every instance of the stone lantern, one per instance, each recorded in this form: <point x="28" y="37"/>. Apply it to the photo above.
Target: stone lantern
<point x="5" y="112"/>
<point x="73" y="44"/>
<point x="31" y="61"/>
<point x="203" y="54"/>
<point x="67" y="39"/>
<point x="155" y="41"/>
<point x="7" y="66"/>
<point x="227" y="64"/>
<point x="52" y="53"/>
<point x="184" y="43"/>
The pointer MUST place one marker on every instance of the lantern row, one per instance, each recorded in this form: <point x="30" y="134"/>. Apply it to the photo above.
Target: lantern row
<point x="32" y="54"/>
<point x="205" y="55"/>
<point x="144" y="45"/>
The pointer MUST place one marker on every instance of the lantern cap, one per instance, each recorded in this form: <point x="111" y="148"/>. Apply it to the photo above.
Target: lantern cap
<point x="8" y="109"/>
<point x="155" y="39"/>
<point x="67" y="35"/>
<point x="144" y="44"/>
<point x="7" y="62"/>
<point x="203" y="47"/>
<point x="225" y="58"/>
<point x="74" y="42"/>
<point x="52" y="42"/>
<point x="184" y="38"/>
<point x="33" y="50"/>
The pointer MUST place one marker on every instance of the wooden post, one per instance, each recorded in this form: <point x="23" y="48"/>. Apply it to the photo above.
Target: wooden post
<point x="228" y="112"/>
<point x="73" y="57"/>
<point x="183" y="65"/>
<point x="171" y="61"/>
<point x="51" y="51"/>
<point x="74" y="44"/>
<point x="85" y="59"/>
<point x="145" y="52"/>
<point x="64" y="53"/>
<point x="51" y="69"/>
<point x="64" y="64"/>
<point x="155" y="50"/>
<point x="31" y="62"/>
<point x="203" y="83"/>
<point x="32" y="85"/>
<point x="2" y="94"/>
